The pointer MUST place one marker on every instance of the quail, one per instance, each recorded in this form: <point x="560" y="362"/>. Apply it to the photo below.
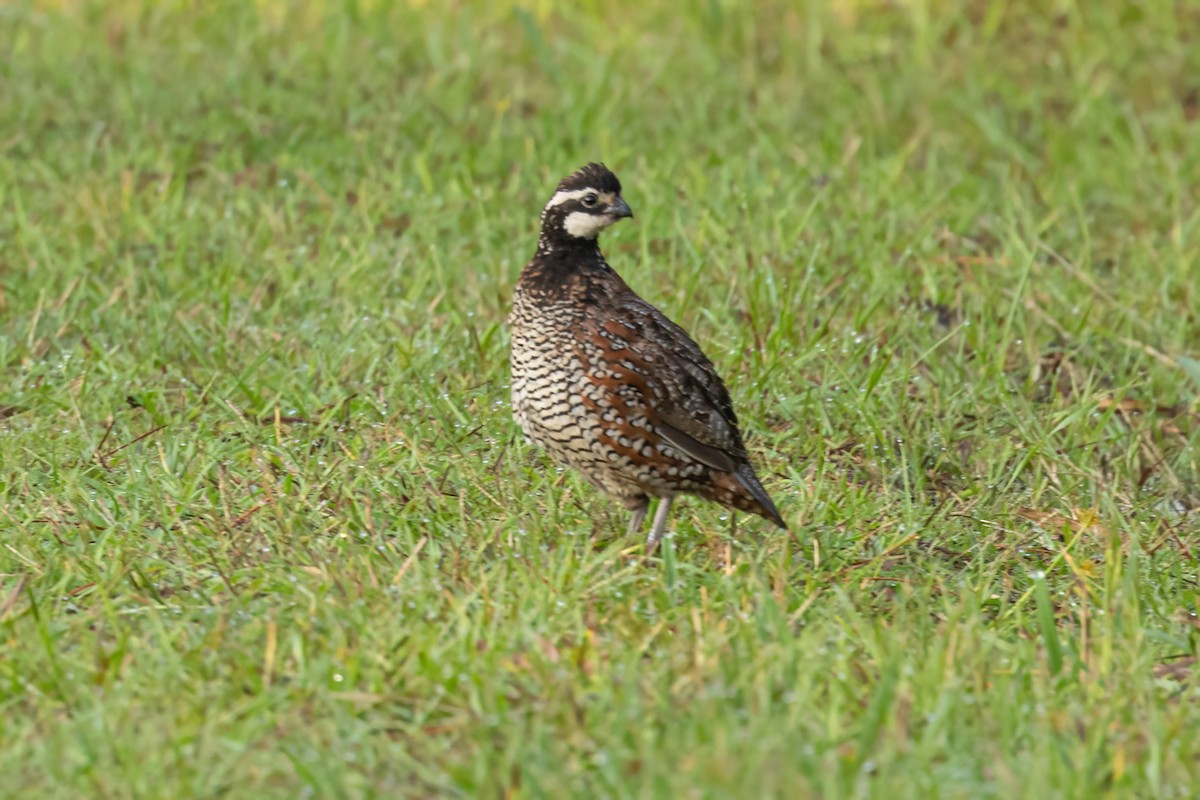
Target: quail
<point x="606" y="384"/>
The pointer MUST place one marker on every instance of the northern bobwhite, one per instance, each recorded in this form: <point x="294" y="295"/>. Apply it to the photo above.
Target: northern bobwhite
<point x="607" y="384"/>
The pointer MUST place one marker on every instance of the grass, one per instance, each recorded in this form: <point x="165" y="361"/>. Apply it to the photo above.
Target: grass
<point x="267" y="526"/>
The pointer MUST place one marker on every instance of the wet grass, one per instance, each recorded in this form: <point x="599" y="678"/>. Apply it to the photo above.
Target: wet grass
<point x="268" y="529"/>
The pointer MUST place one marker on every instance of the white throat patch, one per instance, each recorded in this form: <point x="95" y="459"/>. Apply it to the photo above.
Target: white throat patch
<point x="583" y="225"/>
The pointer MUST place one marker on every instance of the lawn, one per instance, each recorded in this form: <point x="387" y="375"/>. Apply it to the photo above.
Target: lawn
<point x="267" y="528"/>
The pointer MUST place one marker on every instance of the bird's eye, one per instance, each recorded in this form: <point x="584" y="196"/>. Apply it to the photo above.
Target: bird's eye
<point x="589" y="200"/>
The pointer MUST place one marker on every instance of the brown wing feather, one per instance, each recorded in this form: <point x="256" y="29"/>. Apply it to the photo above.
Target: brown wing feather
<point x="695" y="401"/>
<point x="656" y="371"/>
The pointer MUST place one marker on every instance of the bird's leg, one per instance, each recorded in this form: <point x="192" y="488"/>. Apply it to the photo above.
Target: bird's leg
<point x="639" y="516"/>
<point x="660" y="523"/>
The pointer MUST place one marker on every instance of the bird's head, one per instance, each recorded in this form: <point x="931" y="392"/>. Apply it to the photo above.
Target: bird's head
<point x="586" y="202"/>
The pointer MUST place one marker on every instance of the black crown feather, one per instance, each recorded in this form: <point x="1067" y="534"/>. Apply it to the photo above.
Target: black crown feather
<point x="591" y="176"/>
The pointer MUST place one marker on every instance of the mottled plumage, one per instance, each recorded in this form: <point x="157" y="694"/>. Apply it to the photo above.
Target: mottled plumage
<point x="605" y="383"/>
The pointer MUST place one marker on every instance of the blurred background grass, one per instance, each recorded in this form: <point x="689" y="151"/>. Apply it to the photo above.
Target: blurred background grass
<point x="267" y="526"/>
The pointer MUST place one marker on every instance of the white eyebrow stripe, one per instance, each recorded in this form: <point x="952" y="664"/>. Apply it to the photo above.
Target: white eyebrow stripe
<point x="564" y="197"/>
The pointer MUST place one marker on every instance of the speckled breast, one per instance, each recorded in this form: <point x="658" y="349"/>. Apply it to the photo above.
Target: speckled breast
<point x="546" y="376"/>
<point x="559" y="403"/>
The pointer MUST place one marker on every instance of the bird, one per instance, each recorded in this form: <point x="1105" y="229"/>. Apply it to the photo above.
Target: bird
<point x="606" y="384"/>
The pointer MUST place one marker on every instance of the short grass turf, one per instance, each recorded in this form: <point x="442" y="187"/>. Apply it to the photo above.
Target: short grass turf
<point x="268" y="529"/>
